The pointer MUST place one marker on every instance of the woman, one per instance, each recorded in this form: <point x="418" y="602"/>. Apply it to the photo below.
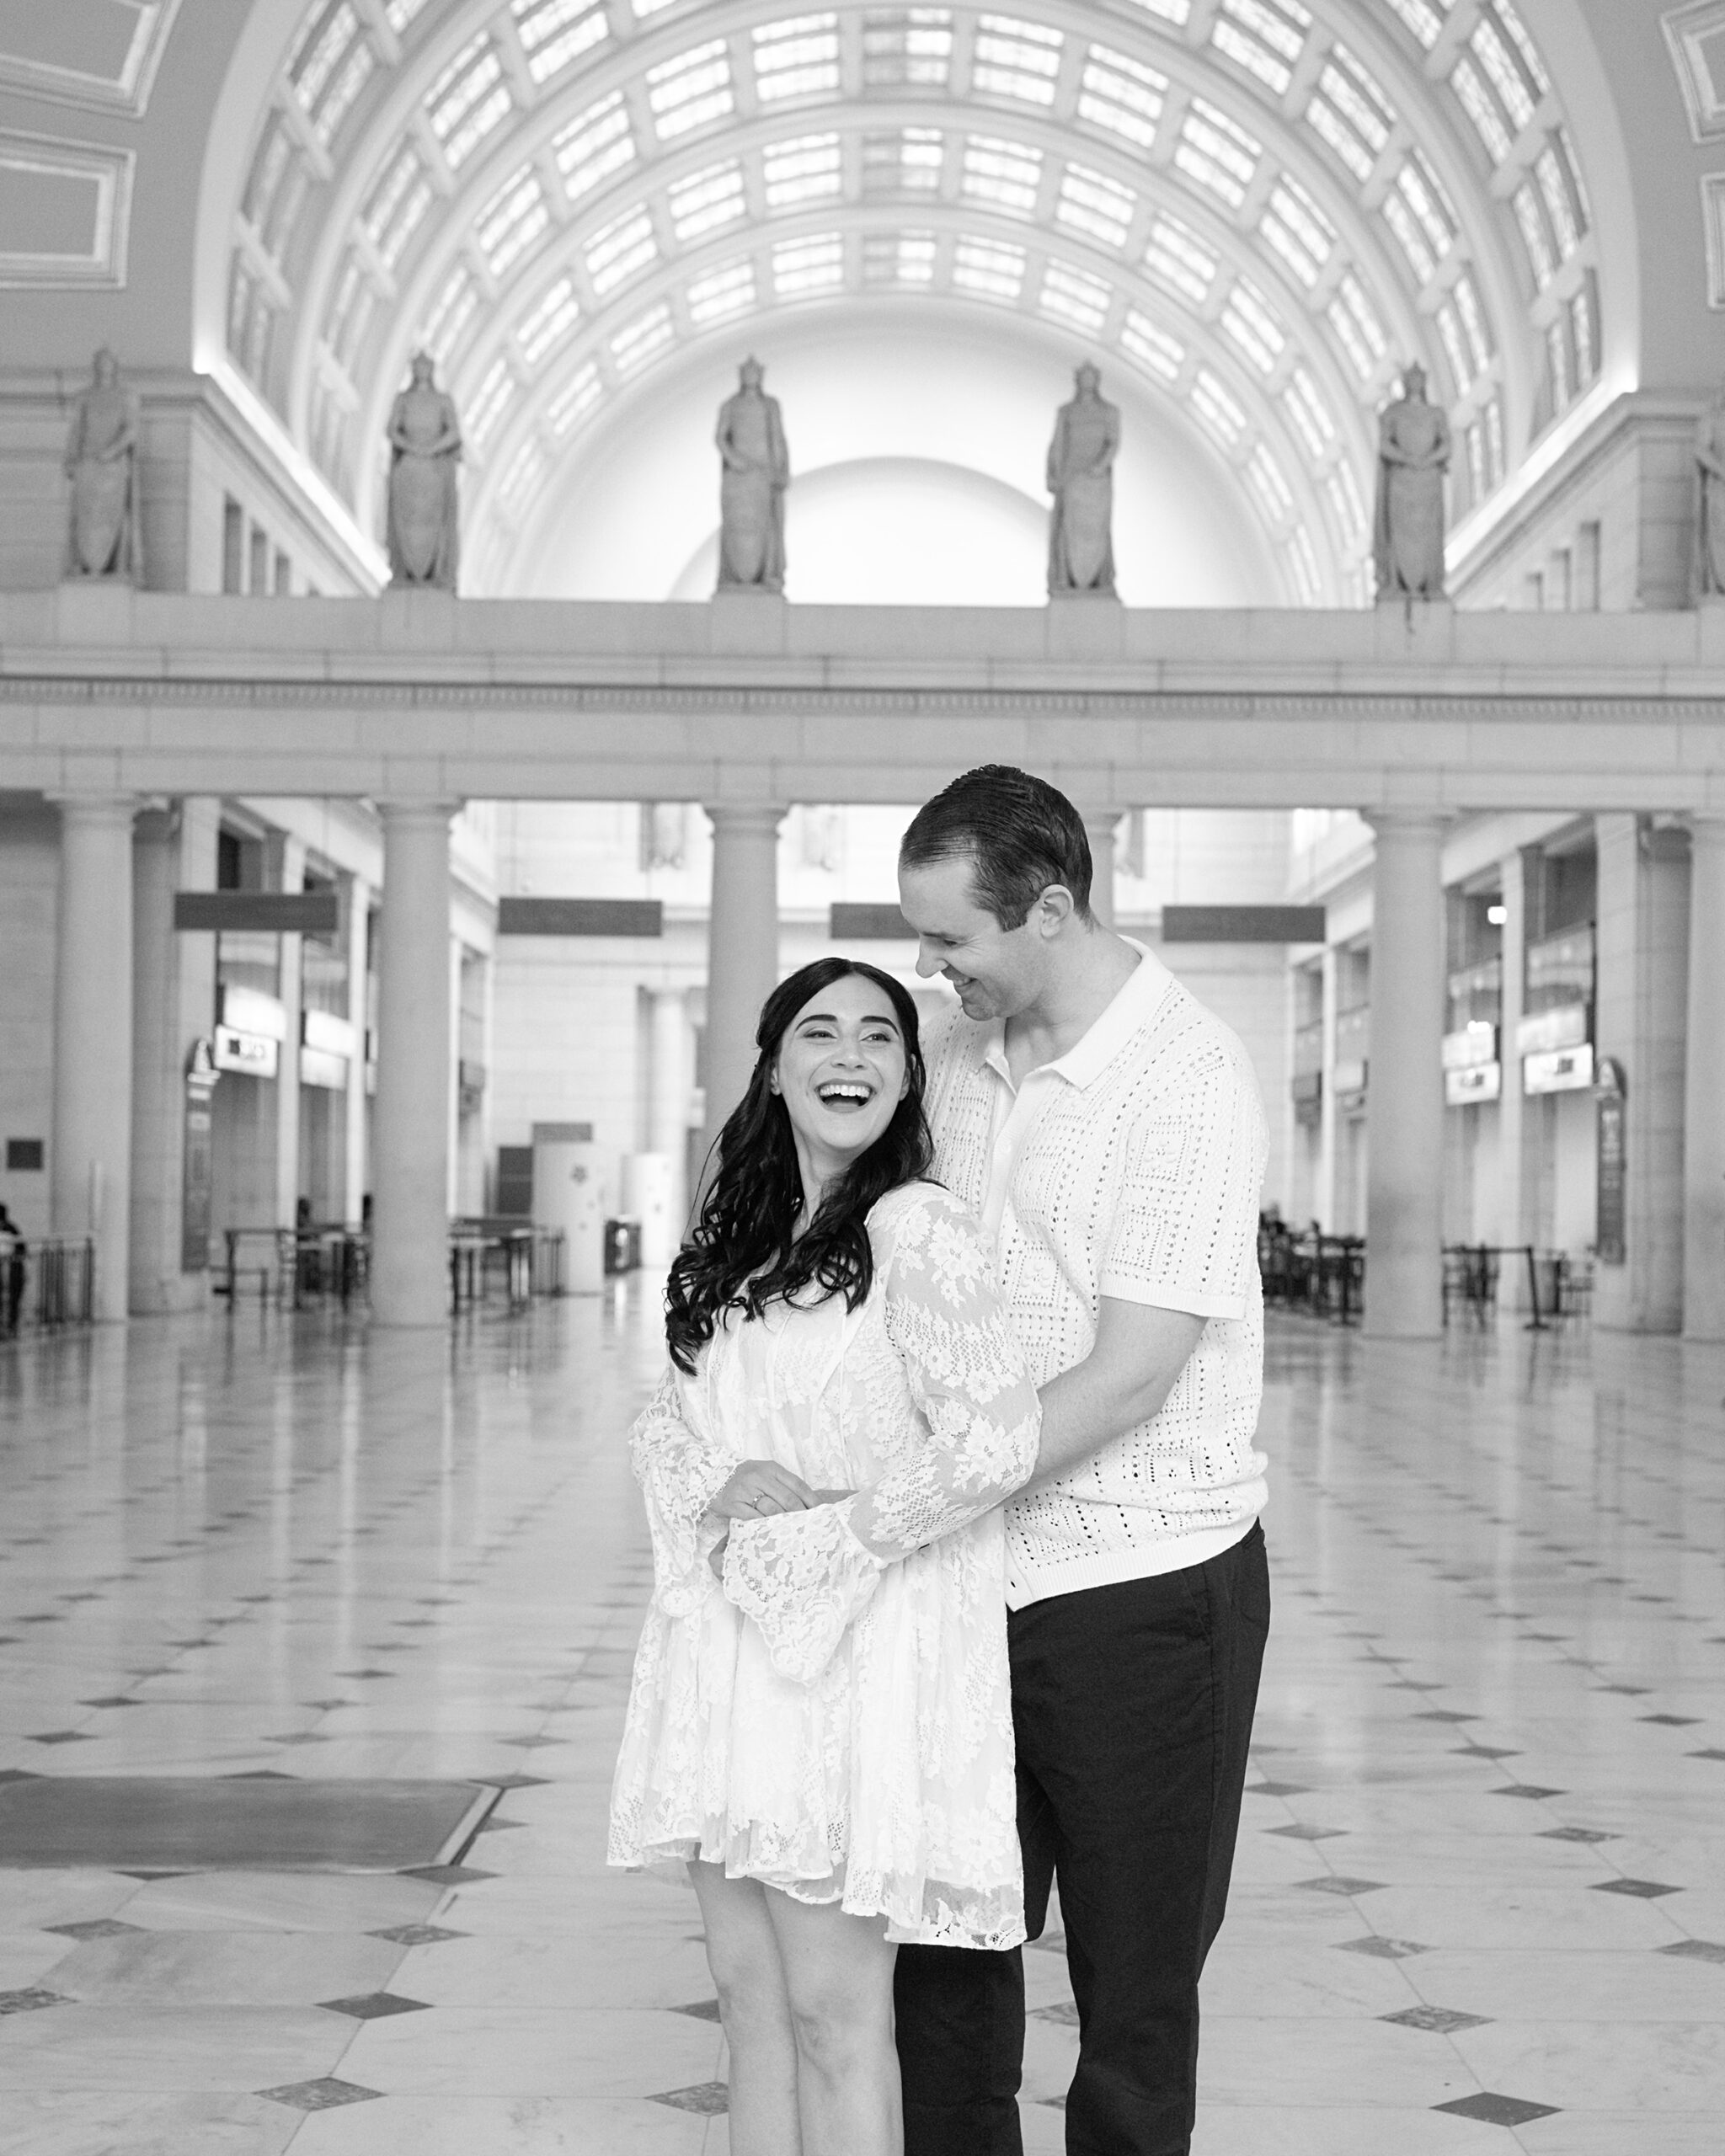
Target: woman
<point x="821" y="1722"/>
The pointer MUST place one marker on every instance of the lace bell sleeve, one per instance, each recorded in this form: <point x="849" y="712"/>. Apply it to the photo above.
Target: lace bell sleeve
<point x="803" y="1577"/>
<point x="680" y="1469"/>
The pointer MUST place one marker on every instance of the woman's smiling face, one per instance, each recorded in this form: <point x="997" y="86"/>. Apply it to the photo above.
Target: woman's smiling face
<point x="841" y="1071"/>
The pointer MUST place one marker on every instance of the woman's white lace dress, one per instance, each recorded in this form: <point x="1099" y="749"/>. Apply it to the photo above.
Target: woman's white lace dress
<point x="836" y="1720"/>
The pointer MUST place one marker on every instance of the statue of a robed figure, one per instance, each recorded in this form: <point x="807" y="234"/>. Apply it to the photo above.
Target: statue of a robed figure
<point x="757" y="469"/>
<point x="1081" y="478"/>
<point x="425" y="507"/>
<point x="1413" y="455"/>
<point x="101" y="462"/>
<point x="1710" y="472"/>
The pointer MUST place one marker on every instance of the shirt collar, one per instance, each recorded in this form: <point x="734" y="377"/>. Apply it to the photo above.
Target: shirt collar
<point x="1091" y="1053"/>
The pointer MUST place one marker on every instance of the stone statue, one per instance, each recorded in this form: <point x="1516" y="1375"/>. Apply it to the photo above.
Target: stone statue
<point x="1710" y="468"/>
<point x="751" y="487"/>
<point x="101" y="462"/>
<point x="1081" y="478"/>
<point x="1413" y="455"/>
<point x="424" y="508"/>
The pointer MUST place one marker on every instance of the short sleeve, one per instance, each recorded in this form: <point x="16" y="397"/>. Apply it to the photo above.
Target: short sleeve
<point x="1185" y="1230"/>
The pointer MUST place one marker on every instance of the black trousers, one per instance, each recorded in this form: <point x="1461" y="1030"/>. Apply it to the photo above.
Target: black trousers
<point x="1132" y="1707"/>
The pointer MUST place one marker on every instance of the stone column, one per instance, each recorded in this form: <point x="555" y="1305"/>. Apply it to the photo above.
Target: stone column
<point x="1404" y="1108"/>
<point x="742" y="946"/>
<point x="158" y="1082"/>
<point x="1704" y="1088"/>
<point x="410" y="1173"/>
<point x="1642" y="972"/>
<point x="1323" y="1196"/>
<point x="1515" y="1212"/>
<point x="1100" y="825"/>
<point x="359" y="923"/>
<point x="289" y="878"/>
<point x="668" y="1096"/>
<point x="90" y="1181"/>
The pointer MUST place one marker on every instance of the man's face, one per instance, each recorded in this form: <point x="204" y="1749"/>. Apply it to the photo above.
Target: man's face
<point x="998" y="972"/>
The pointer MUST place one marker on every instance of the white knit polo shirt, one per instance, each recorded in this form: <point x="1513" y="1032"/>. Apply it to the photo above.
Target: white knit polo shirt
<point x="1129" y="1167"/>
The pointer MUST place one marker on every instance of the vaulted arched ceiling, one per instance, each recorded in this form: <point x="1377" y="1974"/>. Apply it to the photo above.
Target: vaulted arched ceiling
<point x="1261" y="208"/>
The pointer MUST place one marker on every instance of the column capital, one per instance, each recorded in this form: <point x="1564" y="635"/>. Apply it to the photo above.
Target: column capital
<point x="747" y="815"/>
<point x="1408" y="823"/>
<point x="102" y="805"/>
<point x="420" y="808"/>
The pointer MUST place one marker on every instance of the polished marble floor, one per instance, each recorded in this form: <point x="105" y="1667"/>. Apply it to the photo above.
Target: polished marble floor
<point x="1480" y="1900"/>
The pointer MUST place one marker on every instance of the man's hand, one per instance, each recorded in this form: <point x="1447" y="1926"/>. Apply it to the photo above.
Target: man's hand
<point x="1141" y="1350"/>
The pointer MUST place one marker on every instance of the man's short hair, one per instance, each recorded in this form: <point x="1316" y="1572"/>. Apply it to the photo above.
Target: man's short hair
<point x="1020" y="834"/>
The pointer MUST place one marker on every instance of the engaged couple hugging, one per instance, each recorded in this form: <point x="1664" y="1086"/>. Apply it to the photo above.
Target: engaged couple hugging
<point x="959" y="1589"/>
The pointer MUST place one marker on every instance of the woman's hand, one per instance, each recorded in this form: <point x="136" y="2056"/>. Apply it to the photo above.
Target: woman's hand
<point x="758" y="1489"/>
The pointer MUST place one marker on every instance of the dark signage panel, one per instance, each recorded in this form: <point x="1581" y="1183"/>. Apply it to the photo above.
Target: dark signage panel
<point x="1242" y="924"/>
<point x="863" y="924"/>
<point x="269" y="913"/>
<point x="581" y="917"/>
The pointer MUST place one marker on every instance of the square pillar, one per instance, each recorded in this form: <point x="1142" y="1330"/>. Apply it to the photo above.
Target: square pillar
<point x="1704" y="1088"/>
<point x="1643" y="975"/>
<point x="742" y="962"/>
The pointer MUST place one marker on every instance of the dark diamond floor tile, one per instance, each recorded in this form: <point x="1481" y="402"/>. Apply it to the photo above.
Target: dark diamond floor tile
<point x="364" y="1672"/>
<point x="1278" y="1789"/>
<point x="1483" y="1751"/>
<point x="1443" y="1714"/>
<point x="373" y="2006"/>
<point x="1643" y="1890"/>
<point x="31" y="2000"/>
<point x="1695" y="1950"/>
<point x="61" y="1736"/>
<point x="700" y="2009"/>
<point x="417" y="1934"/>
<point x="1533" y="1791"/>
<point x="1383" y="1949"/>
<point x="95" y="1928"/>
<point x="1494" y="2109"/>
<point x="531" y="1744"/>
<point x="18" y="1775"/>
<point x="1575" y="1834"/>
<point x="119" y="1700"/>
<point x="709" y="2098"/>
<point x="1712" y="1752"/>
<point x="1673" y="1722"/>
<point x="1331" y="1884"/>
<point x="1302" y="1834"/>
<point x="513" y="1781"/>
<point x="325" y="2093"/>
<point x="449" y="1875"/>
<point x="1441" y="2020"/>
<point x="1063" y="2012"/>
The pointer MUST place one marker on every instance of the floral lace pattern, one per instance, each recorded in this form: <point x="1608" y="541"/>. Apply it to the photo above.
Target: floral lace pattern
<point x="837" y="1719"/>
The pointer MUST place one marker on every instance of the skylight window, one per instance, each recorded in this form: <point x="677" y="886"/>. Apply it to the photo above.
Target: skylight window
<point x="1218" y="409"/>
<point x="1418" y="211"/>
<point x="797" y="59"/>
<point x="1152" y="347"/>
<point x="898" y="258"/>
<point x="1179" y="259"/>
<point x="1566" y="227"/>
<point x="1003" y="175"/>
<point x="1516" y="30"/>
<point x="1075" y="296"/>
<point x="397" y="207"/>
<point x="1423" y="18"/>
<point x="644" y="8"/>
<point x="1302" y="565"/>
<point x="1215" y="153"/>
<point x="1015" y="59"/>
<point x="1482" y="107"/>
<point x="807" y="169"/>
<point x="1357" y="330"/>
<point x="510" y="222"/>
<point x="1297" y="231"/>
<point x="469" y="99"/>
<point x="489" y="402"/>
<point x="1092" y="203"/>
<point x="1303" y="402"/>
<point x="573" y="402"/>
<point x="1345" y="506"/>
<point x="1121" y="95"/>
<point x="911" y="50"/>
<point x="804" y="268"/>
<point x="1351" y="112"/>
<point x="707" y="200"/>
<point x="621" y="250"/>
<point x="337" y="61"/>
<point x="691" y="90"/>
<point x="1455" y="347"/>
<point x="1536" y="235"/>
<point x="450" y="313"/>
<point x="548" y="320"/>
<point x="643" y="339"/>
<point x="555" y="32"/>
<point x="527" y="468"/>
<point x="594" y="145"/>
<point x="1472" y="317"/>
<point x="400" y="13"/>
<point x="1263" y="476"/>
<point x="1171" y="11"/>
<point x="1585" y="327"/>
<point x="1252" y="329"/>
<point x="350" y="310"/>
<point x="908" y="163"/>
<point x="1500" y="62"/>
<point x="988" y="268"/>
<point x="1262" y="36"/>
<point x="722" y="294"/>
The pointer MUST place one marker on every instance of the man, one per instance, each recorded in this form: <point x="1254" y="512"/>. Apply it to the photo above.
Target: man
<point x="1108" y="1130"/>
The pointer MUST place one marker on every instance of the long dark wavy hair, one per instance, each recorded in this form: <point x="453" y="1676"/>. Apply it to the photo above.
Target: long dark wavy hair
<point x="743" y="1253"/>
